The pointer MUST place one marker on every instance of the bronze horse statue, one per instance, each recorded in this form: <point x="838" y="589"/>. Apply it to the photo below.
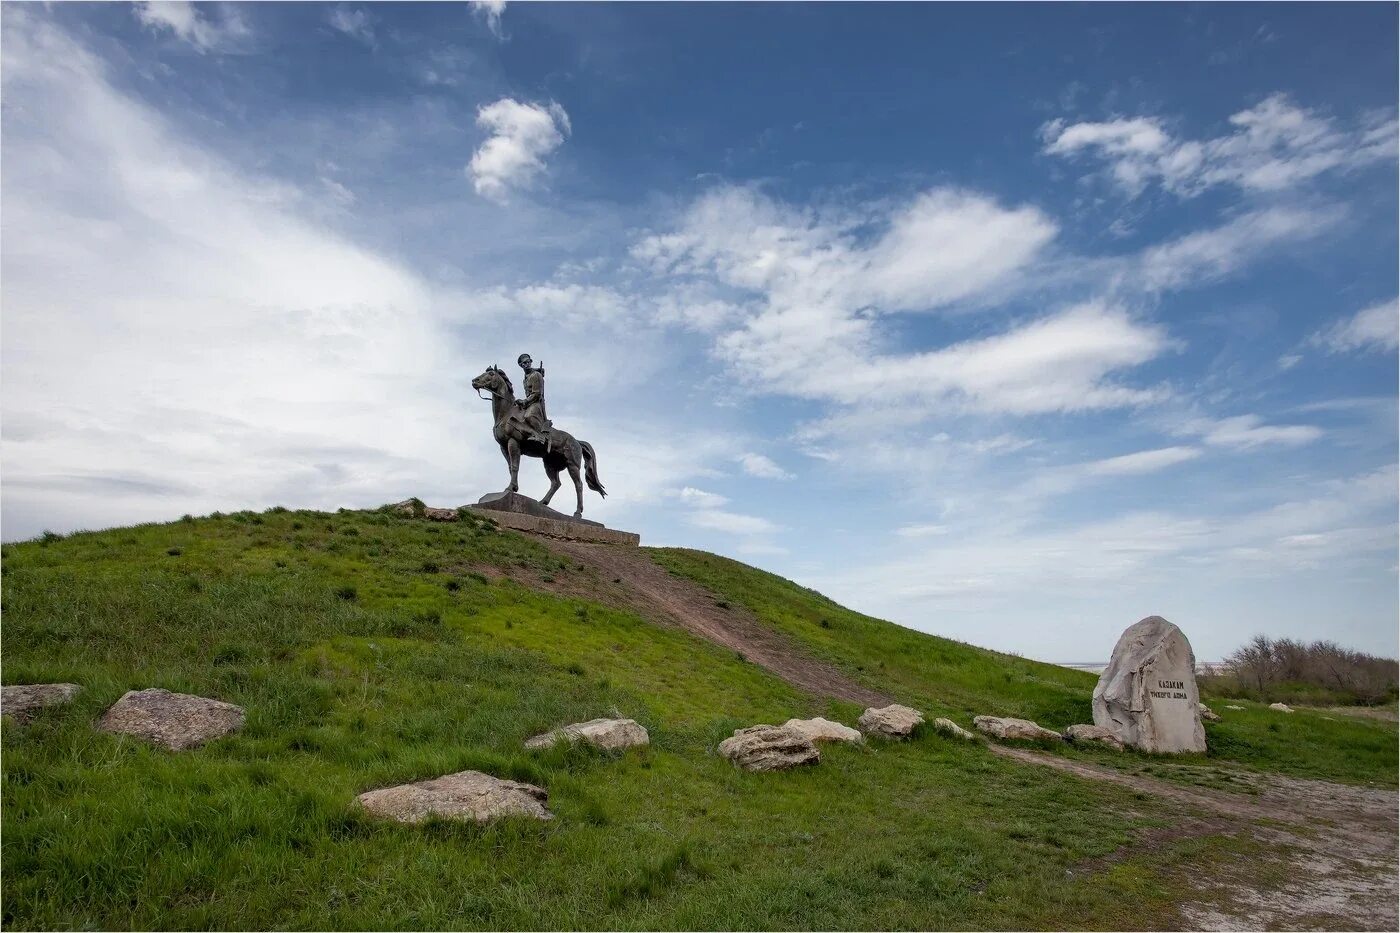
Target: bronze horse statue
<point x="564" y="451"/>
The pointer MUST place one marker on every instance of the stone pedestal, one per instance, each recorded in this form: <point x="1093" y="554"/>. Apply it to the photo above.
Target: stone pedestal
<point x="1147" y="695"/>
<point x="512" y="510"/>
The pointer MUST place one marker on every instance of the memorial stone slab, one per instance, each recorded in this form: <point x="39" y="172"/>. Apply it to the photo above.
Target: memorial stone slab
<point x="1147" y="695"/>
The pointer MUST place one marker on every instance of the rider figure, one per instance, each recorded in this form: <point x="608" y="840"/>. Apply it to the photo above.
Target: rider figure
<point x="537" y="424"/>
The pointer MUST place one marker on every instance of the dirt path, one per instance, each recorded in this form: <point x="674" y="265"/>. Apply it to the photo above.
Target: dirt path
<point x="664" y="597"/>
<point x="1336" y="844"/>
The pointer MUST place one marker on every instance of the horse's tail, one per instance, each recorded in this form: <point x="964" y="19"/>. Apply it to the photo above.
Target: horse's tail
<point x="590" y="469"/>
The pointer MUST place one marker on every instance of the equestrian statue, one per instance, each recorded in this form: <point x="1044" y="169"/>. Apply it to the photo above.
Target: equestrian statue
<point x="522" y="427"/>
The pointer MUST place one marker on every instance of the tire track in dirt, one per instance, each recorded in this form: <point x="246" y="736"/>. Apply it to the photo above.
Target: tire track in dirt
<point x="1338" y="843"/>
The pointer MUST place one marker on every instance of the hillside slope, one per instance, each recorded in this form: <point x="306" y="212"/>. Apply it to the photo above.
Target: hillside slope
<point x="371" y="649"/>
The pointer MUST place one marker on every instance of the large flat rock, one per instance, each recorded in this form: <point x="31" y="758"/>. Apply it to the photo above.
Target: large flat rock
<point x="512" y="510"/>
<point x="611" y="734"/>
<point x="176" y="721"/>
<point x="22" y="702"/>
<point x="769" y="748"/>
<point x="467" y="795"/>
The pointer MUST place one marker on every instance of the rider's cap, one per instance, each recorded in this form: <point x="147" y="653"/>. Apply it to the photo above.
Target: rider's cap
<point x="520" y="360"/>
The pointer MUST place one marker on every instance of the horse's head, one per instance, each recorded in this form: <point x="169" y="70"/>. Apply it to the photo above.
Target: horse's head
<point x="494" y="381"/>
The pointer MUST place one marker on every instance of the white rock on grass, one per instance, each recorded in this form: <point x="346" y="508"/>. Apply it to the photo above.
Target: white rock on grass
<point x="176" y="721"/>
<point x="892" y="722"/>
<point x="22" y="702"/>
<point x="466" y="795"/>
<point x="1084" y="733"/>
<point x="824" y="730"/>
<point x="950" y="728"/>
<point x="1281" y="707"/>
<point x="1208" y="714"/>
<point x="769" y="748"/>
<point x="1004" y="727"/>
<point x="612" y="734"/>
<point x="440" y="515"/>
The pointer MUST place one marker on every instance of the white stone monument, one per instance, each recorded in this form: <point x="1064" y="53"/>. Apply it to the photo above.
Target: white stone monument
<point x="1147" y="695"/>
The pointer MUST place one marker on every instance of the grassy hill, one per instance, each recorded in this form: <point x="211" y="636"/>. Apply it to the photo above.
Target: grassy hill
<point x="371" y="649"/>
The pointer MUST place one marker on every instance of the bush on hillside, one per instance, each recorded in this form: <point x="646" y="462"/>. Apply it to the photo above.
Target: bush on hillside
<point x="1283" y="670"/>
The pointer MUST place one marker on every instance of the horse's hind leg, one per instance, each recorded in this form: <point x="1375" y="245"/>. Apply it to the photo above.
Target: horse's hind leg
<point x="578" y="487"/>
<point x="552" y="469"/>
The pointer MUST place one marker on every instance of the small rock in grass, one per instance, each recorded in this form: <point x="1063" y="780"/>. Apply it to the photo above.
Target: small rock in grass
<point x="440" y="515"/>
<point x="1281" y="707"/>
<point x="1208" y="714"/>
<point x="22" y="702"/>
<point x="892" y="722"/>
<point x="171" y="720"/>
<point x="406" y="507"/>
<point x="769" y="748"/>
<point x="952" y="729"/>
<point x="1004" y="727"/>
<point x="612" y="734"/>
<point x="466" y="795"/>
<point x="1234" y="707"/>
<point x="1085" y="733"/>
<point x="824" y="730"/>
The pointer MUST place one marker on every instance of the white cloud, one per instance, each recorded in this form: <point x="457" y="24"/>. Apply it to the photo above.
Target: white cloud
<point x="521" y="135"/>
<point x="1274" y="145"/>
<point x="355" y="23"/>
<point x="1373" y="328"/>
<point x="762" y="467"/>
<point x="701" y="499"/>
<point x="184" y="19"/>
<point x="1244" y="432"/>
<point x="490" y="11"/>
<point x="1212" y="254"/>
<point x="1144" y="461"/>
<point x="921" y="531"/>
<point x="730" y="522"/>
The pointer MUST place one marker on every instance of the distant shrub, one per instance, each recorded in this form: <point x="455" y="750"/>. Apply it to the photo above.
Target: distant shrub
<point x="1284" y="670"/>
<point x="50" y="536"/>
<point x="187" y="518"/>
<point x="346" y="593"/>
<point x="453" y="586"/>
<point x="430" y="567"/>
<point x="277" y="510"/>
<point x="174" y="552"/>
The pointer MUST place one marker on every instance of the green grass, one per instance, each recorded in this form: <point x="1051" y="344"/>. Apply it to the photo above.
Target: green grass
<point x="370" y="649"/>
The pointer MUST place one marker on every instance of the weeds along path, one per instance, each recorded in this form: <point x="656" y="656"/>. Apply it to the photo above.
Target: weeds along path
<point x="663" y="597"/>
<point x="1331" y="847"/>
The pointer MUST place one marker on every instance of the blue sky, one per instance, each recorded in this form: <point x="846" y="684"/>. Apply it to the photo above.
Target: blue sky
<point x="1010" y="323"/>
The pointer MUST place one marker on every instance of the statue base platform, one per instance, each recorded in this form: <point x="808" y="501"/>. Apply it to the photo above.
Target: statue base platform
<point x="512" y="510"/>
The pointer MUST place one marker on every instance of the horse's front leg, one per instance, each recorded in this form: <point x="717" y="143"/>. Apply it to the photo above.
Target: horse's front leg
<point x="513" y="459"/>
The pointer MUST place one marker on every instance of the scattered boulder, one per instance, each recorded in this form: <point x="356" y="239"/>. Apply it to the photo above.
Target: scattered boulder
<point x="950" y="728"/>
<point x="1005" y="727"/>
<point x="612" y="734"/>
<point x="1084" y="734"/>
<point x="22" y="702"/>
<point x="171" y="720"/>
<point x="1147" y="694"/>
<point x="824" y="730"/>
<point x="440" y="515"/>
<point x="1281" y="707"/>
<point x="466" y="795"/>
<point x="893" y="721"/>
<point x="769" y="748"/>
<point x="1208" y="714"/>
<point x="410" y="507"/>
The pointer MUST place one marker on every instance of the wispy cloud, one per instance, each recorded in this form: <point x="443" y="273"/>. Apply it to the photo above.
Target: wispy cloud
<point x="186" y="22"/>
<point x="762" y="466"/>
<point x="1273" y="145"/>
<point x="491" y="12"/>
<point x="354" y="22"/>
<point x="1374" y="328"/>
